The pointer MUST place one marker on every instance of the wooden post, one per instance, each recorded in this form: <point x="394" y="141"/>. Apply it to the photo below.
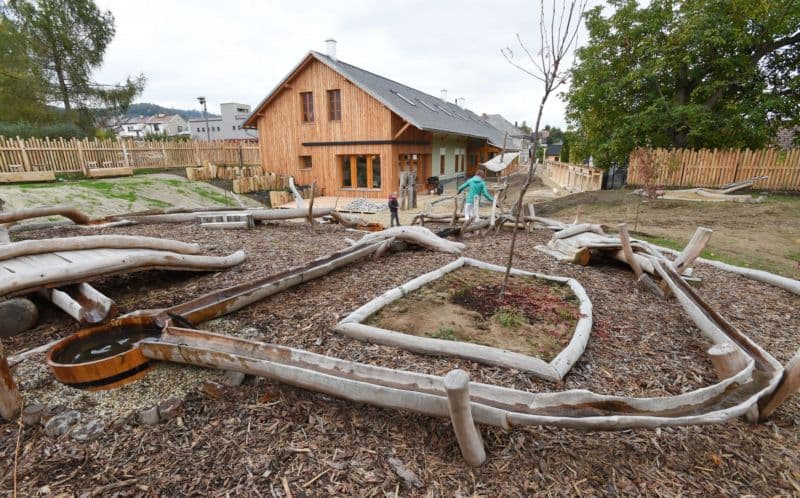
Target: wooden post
<point x="456" y="383"/>
<point x="311" y="203"/>
<point x="125" y="159"/>
<point x="692" y="249"/>
<point x="625" y="240"/>
<point x="790" y="384"/>
<point x="196" y="153"/>
<point x="165" y="159"/>
<point x="26" y="162"/>
<point x="82" y="158"/>
<point x="10" y="400"/>
<point x="727" y="359"/>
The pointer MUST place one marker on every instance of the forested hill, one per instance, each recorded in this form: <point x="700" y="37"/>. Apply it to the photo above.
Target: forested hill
<point x="148" y="109"/>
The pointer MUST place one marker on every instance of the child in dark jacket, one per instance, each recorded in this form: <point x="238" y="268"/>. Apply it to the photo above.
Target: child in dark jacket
<point x="393" y="207"/>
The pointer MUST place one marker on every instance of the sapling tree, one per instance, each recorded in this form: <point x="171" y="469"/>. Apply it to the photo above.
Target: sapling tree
<point x="546" y="63"/>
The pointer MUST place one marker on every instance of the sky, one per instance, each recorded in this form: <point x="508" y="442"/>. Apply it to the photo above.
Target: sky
<point x="238" y="50"/>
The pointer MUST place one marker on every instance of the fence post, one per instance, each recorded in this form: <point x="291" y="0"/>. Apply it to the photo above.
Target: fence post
<point x="82" y="158"/>
<point x="26" y="163"/>
<point x="196" y="148"/>
<point x="164" y="154"/>
<point x="124" y="153"/>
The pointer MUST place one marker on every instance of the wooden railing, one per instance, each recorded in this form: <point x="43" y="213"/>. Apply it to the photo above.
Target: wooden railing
<point x="73" y="155"/>
<point x="715" y="168"/>
<point x="572" y="177"/>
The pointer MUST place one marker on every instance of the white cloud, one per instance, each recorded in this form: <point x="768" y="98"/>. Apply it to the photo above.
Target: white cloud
<point x="237" y="50"/>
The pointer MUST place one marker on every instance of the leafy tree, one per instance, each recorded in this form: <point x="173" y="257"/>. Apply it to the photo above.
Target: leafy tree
<point x="694" y="73"/>
<point x="22" y="84"/>
<point x="67" y="39"/>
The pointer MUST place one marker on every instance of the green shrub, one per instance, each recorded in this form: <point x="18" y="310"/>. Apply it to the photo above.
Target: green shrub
<point x="445" y="333"/>
<point x="510" y="317"/>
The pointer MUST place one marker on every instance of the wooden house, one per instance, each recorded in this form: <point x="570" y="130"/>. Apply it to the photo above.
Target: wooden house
<point x="354" y="131"/>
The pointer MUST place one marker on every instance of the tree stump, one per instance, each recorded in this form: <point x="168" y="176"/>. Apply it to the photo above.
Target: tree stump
<point x="456" y="383"/>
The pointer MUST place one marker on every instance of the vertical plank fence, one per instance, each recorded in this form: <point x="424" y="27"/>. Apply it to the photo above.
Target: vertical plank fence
<point x="714" y="168"/>
<point x="19" y="156"/>
<point x="572" y="177"/>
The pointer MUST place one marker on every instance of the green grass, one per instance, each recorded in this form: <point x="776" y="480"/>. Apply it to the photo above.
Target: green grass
<point x="213" y="196"/>
<point x="510" y="317"/>
<point x="445" y="333"/>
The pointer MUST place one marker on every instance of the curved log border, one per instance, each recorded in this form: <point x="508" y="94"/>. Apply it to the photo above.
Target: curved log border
<point x="353" y="326"/>
<point x="31" y="247"/>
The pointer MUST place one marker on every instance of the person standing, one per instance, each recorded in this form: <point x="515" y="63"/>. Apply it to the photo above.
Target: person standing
<point x="393" y="207"/>
<point x="477" y="188"/>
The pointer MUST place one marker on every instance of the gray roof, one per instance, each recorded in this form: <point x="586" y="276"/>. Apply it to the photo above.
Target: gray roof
<point x="504" y="125"/>
<point x="424" y="111"/>
<point x="554" y="150"/>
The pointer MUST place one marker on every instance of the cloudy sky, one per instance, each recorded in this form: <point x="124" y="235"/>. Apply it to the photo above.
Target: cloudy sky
<point x="237" y="50"/>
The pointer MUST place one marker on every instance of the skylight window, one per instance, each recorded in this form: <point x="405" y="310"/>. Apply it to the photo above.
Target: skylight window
<point x="460" y="116"/>
<point x="444" y="110"/>
<point x="427" y="105"/>
<point x="404" y="98"/>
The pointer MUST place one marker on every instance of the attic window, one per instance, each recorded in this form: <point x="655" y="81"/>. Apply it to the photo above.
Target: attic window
<point x="404" y="98"/>
<point x="427" y="105"/>
<point x="444" y="110"/>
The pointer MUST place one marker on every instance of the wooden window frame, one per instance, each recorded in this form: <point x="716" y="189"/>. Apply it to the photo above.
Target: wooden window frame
<point x="334" y="105"/>
<point x="307" y="107"/>
<point x="442" y="164"/>
<point x="306" y="162"/>
<point x="354" y="172"/>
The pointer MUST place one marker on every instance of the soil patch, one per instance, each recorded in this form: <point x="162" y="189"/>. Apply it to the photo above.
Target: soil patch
<point x="534" y="317"/>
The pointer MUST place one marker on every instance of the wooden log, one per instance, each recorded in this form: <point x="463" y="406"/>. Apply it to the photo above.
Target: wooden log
<point x="573" y="230"/>
<point x="258" y="215"/>
<point x="10" y="399"/>
<point x="728" y="360"/>
<point x="32" y="414"/>
<point x="456" y="383"/>
<point x="298" y="199"/>
<point x="692" y="250"/>
<point x="790" y="384"/>
<point x="24" y="214"/>
<point x="417" y="235"/>
<point x="30" y="247"/>
<point x="16" y="316"/>
<point x="348" y="221"/>
<point x="310" y="217"/>
<point x="82" y="302"/>
<point x="4" y="238"/>
<point x="625" y="240"/>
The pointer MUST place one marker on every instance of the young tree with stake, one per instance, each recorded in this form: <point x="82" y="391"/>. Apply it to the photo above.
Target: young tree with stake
<point x="558" y="33"/>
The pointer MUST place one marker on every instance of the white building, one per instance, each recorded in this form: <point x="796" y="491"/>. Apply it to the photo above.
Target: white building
<point x="141" y="126"/>
<point x="227" y="126"/>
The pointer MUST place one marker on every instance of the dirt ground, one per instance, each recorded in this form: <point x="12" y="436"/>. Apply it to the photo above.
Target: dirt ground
<point x="533" y="318"/>
<point x="263" y="438"/>
<point x="764" y="236"/>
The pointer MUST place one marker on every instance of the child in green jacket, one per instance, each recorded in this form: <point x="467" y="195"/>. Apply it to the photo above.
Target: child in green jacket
<point x="477" y="188"/>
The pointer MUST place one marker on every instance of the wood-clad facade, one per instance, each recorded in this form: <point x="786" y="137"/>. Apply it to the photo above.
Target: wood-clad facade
<point x="354" y="144"/>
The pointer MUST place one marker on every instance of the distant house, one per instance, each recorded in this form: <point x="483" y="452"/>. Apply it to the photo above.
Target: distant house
<point x="553" y="152"/>
<point x="227" y="126"/>
<point x="141" y="126"/>
<point x="517" y="139"/>
<point x="354" y="131"/>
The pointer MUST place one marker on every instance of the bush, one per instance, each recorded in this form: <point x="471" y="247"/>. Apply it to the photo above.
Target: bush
<point x="23" y="129"/>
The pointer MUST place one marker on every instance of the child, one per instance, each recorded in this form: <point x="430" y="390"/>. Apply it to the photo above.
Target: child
<point x="393" y="206"/>
<point x="477" y="188"/>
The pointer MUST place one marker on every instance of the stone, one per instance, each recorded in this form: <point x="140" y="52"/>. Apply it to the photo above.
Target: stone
<point x="51" y="411"/>
<point x="232" y="378"/>
<point x="17" y="315"/>
<point x="61" y="424"/>
<point x="149" y="416"/>
<point x="170" y="408"/>
<point x="89" y="431"/>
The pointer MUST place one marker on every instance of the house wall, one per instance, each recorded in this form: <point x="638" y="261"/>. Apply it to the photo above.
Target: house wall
<point x="448" y="146"/>
<point x="282" y="132"/>
<point x="229" y="123"/>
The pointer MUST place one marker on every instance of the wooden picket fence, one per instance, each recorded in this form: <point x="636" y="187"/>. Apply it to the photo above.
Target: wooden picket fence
<point x="572" y="177"/>
<point x="73" y="155"/>
<point x="714" y="168"/>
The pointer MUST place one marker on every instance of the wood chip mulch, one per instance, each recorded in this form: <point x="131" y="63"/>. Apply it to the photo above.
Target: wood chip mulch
<point x="268" y="439"/>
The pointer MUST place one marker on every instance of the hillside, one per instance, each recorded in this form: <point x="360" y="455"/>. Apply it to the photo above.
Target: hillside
<point x="148" y="109"/>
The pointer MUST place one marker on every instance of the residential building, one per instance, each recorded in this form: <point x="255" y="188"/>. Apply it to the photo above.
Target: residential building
<point x="227" y="126"/>
<point x="516" y="139"/>
<point x="353" y="131"/>
<point x="141" y="126"/>
<point x="553" y="152"/>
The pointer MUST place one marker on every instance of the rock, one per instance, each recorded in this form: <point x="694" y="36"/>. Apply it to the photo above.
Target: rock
<point x="61" y="424"/>
<point x="213" y="389"/>
<point x="149" y="416"/>
<point x="51" y="411"/>
<point x="17" y="315"/>
<point x="32" y="414"/>
<point x="232" y="378"/>
<point x="170" y="408"/>
<point x="89" y="431"/>
<point x="407" y="475"/>
<point x="361" y="205"/>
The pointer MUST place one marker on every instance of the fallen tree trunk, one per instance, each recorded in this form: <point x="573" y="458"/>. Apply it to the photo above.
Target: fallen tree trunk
<point x="790" y="384"/>
<point x="30" y="247"/>
<point x="417" y="235"/>
<point x="66" y="211"/>
<point x="258" y="215"/>
<point x="348" y="221"/>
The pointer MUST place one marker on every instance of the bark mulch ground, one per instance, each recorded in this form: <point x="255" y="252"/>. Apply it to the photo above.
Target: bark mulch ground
<point x="264" y="438"/>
